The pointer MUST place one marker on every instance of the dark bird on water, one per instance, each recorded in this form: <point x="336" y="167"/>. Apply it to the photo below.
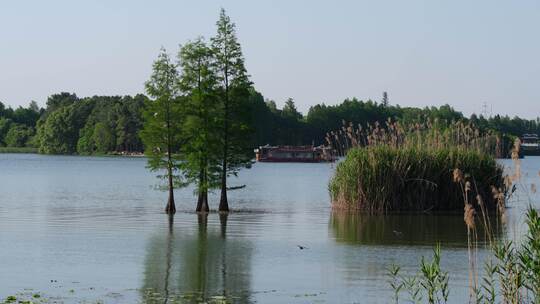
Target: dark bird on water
<point x="302" y="247"/>
<point x="397" y="233"/>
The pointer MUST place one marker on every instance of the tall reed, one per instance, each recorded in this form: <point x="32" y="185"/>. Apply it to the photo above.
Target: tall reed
<point x="395" y="167"/>
<point x="431" y="135"/>
<point x="380" y="179"/>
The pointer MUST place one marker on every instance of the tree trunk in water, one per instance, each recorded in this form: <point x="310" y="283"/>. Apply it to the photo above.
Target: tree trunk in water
<point x="170" y="208"/>
<point x="199" y="202"/>
<point x="205" y="207"/>
<point x="202" y="202"/>
<point x="223" y="203"/>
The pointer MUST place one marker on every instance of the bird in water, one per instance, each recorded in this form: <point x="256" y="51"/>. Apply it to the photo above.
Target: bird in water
<point x="397" y="233"/>
<point x="302" y="247"/>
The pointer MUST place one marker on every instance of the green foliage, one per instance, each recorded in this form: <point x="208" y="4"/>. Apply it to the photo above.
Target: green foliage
<point x="233" y="88"/>
<point x="59" y="133"/>
<point x="18" y="135"/>
<point x="60" y="100"/>
<point x="529" y="255"/>
<point x="5" y="124"/>
<point x="509" y="272"/>
<point x="163" y="119"/>
<point x="395" y="281"/>
<point x="17" y="126"/>
<point x="487" y="292"/>
<point x="289" y="110"/>
<point x="385" y="102"/>
<point x="73" y="121"/>
<point x="103" y="138"/>
<point x="27" y="116"/>
<point x="85" y="144"/>
<point x="199" y="82"/>
<point x="433" y="280"/>
<point x="430" y="282"/>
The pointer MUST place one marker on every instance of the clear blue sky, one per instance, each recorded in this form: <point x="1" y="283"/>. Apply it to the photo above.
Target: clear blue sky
<point x="423" y="53"/>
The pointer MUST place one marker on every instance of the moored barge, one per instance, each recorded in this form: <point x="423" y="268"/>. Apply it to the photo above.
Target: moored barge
<point x="300" y="154"/>
<point x="530" y="144"/>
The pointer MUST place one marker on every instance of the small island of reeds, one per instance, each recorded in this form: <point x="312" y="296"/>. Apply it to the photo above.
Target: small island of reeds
<point x="417" y="168"/>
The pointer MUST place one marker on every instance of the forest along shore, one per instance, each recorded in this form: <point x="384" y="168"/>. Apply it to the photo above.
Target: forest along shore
<point x="101" y="124"/>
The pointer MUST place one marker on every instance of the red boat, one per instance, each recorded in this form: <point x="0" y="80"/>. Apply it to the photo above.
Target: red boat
<point x="301" y="154"/>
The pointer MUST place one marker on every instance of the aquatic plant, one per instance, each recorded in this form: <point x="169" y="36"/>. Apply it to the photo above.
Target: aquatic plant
<point x="382" y="178"/>
<point x="431" y="282"/>
<point x="397" y="167"/>
<point x="512" y="276"/>
<point x="395" y="281"/>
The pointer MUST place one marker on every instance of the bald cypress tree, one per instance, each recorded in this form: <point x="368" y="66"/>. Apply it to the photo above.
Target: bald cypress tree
<point x="162" y="127"/>
<point x="233" y="95"/>
<point x="198" y="81"/>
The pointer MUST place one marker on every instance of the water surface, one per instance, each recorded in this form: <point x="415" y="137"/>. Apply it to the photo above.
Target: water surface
<point x="82" y="229"/>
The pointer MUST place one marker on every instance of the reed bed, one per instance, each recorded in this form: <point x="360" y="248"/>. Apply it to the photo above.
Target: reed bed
<point x="396" y="168"/>
<point x="381" y="179"/>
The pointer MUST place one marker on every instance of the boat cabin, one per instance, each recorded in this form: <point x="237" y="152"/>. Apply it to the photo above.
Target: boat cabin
<point x="530" y="144"/>
<point x="306" y="154"/>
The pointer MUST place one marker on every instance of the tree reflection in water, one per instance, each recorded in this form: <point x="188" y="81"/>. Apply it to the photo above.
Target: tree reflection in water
<point x="200" y="265"/>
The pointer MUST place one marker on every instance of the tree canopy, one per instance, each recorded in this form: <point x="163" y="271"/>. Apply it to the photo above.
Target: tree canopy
<point x="163" y="118"/>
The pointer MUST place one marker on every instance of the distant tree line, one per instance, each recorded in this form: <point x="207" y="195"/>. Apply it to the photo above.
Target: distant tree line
<point x="105" y="124"/>
<point x="91" y="125"/>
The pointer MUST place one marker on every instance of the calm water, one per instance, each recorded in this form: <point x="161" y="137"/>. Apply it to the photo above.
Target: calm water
<point x="80" y="229"/>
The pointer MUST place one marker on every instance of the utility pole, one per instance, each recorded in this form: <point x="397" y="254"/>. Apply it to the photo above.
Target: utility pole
<point x="485" y="112"/>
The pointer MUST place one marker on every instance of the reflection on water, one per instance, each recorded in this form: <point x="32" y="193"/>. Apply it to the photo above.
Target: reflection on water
<point x="202" y="266"/>
<point x="405" y="229"/>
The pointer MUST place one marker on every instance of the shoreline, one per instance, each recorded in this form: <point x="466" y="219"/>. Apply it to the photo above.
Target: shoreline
<point x="26" y="150"/>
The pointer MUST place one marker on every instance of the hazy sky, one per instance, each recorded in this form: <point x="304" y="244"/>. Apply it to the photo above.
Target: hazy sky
<point x="431" y="52"/>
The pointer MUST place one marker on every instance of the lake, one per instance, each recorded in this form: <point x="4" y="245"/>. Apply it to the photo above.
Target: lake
<point x="88" y="229"/>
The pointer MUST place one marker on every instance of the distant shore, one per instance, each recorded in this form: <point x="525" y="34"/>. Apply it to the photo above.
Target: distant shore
<point x="18" y="150"/>
<point x="29" y="150"/>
